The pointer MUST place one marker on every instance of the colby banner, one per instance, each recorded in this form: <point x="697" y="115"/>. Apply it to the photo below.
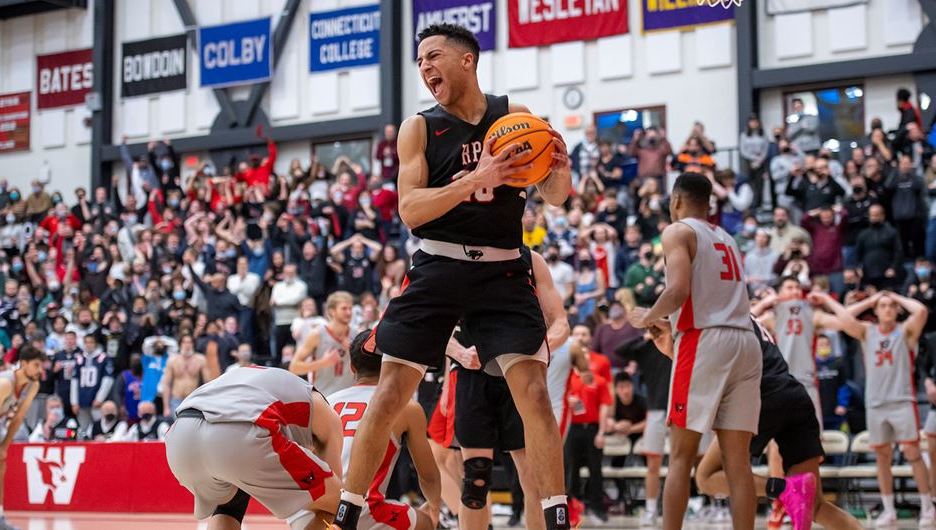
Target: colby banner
<point x="14" y="122"/>
<point x="538" y="23"/>
<point x="235" y="54"/>
<point x="669" y="14"/>
<point x="344" y="38"/>
<point x="63" y="78"/>
<point x="154" y="65"/>
<point x="478" y="16"/>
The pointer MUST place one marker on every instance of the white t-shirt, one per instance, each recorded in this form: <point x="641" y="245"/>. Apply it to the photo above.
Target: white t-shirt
<point x="562" y="274"/>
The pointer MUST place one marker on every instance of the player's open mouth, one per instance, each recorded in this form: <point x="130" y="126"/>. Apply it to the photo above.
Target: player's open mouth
<point x="434" y="83"/>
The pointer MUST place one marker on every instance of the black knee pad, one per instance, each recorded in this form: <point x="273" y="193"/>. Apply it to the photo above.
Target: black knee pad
<point x="476" y="470"/>
<point x="235" y="507"/>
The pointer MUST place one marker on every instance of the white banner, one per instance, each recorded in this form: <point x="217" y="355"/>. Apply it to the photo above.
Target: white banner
<point x="779" y="7"/>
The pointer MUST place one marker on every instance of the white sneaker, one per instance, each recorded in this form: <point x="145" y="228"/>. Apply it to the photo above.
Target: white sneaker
<point x="720" y="515"/>
<point x="927" y="519"/>
<point x="647" y="519"/>
<point x="886" y="519"/>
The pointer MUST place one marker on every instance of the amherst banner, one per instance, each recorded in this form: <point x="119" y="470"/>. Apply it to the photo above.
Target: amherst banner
<point x="478" y="16"/>
<point x="235" y="54"/>
<point x="539" y="22"/>
<point x="63" y="78"/>
<point x="14" y="122"/>
<point x="669" y="14"/>
<point x="779" y="7"/>
<point x="344" y="38"/>
<point x="154" y="65"/>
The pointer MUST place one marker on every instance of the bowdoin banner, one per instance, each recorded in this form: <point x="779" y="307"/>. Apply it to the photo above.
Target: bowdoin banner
<point x="344" y="38"/>
<point x="479" y="17"/>
<point x="63" y="79"/>
<point x="235" y="54"/>
<point x="542" y="22"/>
<point x="154" y="65"/>
<point x="14" y="122"/>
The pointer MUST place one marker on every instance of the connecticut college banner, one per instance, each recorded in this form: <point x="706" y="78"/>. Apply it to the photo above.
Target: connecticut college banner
<point x="63" y="78"/>
<point x="669" y="14"/>
<point x="344" y="38"/>
<point x="479" y="16"/>
<point x="541" y="22"/>
<point x="14" y="122"/>
<point x="154" y="65"/>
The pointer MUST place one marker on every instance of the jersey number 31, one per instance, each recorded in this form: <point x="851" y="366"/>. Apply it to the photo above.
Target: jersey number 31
<point x="732" y="271"/>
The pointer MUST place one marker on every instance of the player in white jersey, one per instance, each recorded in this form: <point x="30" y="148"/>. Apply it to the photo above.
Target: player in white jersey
<point x="558" y="376"/>
<point x="262" y="433"/>
<point x="379" y="513"/>
<point x="888" y="349"/>
<point x="717" y="366"/>
<point x="323" y="356"/>
<point x="17" y="389"/>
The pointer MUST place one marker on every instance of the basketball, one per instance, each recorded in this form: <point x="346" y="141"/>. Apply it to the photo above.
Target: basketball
<point x="535" y="141"/>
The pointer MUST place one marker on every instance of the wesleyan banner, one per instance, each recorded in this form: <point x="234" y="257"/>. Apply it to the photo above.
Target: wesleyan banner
<point x="479" y="16"/>
<point x="538" y="23"/>
<point x="154" y="65"/>
<point x="344" y="38"/>
<point x="235" y="54"/>
<point x="777" y="7"/>
<point x="14" y="122"/>
<point x="669" y="14"/>
<point x="63" y="78"/>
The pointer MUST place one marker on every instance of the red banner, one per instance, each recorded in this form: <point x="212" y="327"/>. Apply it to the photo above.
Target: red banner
<point x="95" y="477"/>
<point x="14" y="122"/>
<point x="542" y="22"/>
<point x="63" y="79"/>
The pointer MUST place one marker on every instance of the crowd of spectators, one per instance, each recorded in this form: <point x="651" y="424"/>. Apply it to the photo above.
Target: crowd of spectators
<point x="141" y="290"/>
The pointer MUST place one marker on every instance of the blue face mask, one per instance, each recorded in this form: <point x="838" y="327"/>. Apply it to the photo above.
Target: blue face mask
<point x="173" y="203"/>
<point x="166" y="164"/>
<point x="178" y="295"/>
<point x="92" y="267"/>
<point x="922" y="272"/>
<point x="17" y="266"/>
<point x="43" y="255"/>
<point x="15" y="196"/>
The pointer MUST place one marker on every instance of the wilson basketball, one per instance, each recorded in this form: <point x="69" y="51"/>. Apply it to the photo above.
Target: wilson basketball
<point x="534" y="141"/>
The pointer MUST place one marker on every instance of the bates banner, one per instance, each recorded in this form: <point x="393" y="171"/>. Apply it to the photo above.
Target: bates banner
<point x="63" y="79"/>
<point x="542" y="22"/>
<point x="14" y="122"/>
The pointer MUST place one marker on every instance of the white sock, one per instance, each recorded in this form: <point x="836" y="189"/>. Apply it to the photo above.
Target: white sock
<point x="353" y="498"/>
<point x="1" y="510"/>
<point x="555" y="500"/>
<point x="888" y="502"/>
<point x="926" y="503"/>
<point x="651" y="505"/>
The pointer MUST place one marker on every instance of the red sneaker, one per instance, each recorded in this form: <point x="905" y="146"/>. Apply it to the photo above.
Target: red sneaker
<point x="776" y="515"/>
<point x="576" y="509"/>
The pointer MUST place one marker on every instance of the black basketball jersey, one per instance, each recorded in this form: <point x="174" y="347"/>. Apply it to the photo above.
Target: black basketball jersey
<point x="487" y="218"/>
<point x="775" y="374"/>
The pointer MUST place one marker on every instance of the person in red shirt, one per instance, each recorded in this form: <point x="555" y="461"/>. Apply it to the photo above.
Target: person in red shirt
<point x="386" y="154"/>
<point x="257" y="172"/>
<point x="590" y="405"/>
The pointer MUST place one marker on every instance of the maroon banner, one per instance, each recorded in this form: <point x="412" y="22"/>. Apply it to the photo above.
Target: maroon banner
<point x="542" y="22"/>
<point x="95" y="477"/>
<point x="63" y="79"/>
<point x="14" y="122"/>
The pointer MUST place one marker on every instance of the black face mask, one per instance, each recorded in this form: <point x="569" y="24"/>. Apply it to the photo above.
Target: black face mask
<point x="146" y="417"/>
<point x="110" y="417"/>
<point x="877" y="223"/>
<point x="553" y="257"/>
<point x="647" y="255"/>
<point x="851" y="287"/>
<point x="858" y="189"/>
<point x="585" y="263"/>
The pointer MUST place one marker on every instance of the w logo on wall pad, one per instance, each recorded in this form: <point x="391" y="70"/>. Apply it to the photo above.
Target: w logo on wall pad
<point x="52" y="470"/>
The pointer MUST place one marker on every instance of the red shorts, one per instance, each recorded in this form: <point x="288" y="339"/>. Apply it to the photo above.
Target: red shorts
<point x="441" y="427"/>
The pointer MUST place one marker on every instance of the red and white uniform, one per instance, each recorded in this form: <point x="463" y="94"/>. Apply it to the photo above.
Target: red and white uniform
<point x="378" y="513"/>
<point x="796" y="338"/>
<point x="331" y="379"/>
<point x="890" y="390"/>
<point x="715" y="382"/>
<point x="558" y="378"/>
<point x="256" y="435"/>
<point x="441" y="428"/>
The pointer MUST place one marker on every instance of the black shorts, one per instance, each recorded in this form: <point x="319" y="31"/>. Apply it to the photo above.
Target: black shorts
<point x="485" y="414"/>
<point x="495" y="301"/>
<point x="789" y="417"/>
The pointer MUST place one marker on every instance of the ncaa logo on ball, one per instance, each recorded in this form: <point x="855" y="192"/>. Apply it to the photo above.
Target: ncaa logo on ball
<point x="504" y="129"/>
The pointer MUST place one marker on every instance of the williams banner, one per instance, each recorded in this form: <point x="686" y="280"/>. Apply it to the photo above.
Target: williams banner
<point x="154" y="65"/>
<point x="538" y="23"/>
<point x="671" y="14"/>
<point x="14" y="122"/>
<point x="479" y="16"/>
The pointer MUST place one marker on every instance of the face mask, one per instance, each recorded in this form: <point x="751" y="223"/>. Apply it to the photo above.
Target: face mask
<point x="36" y="189"/>
<point x="258" y="252"/>
<point x="54" y="286"/>
<point x="10" y="218"/>
<point x="67" y="303"/>
<point x="42" y="255"/>
<point x="110" y="417"/>
<point x="585" y="263"/>
<point x="173" y="202"/>
<point x="178" y="295"/>
<point x="92" y="267"/>
<point x="365" y="203"/>
<point x="17" y="266"/>
<point x="15" y="196"/>
<point x="56" y="414"/>
<point x="337" y="197"/>
<point x="553" y="257"/>
<point x="922" y="272"/>
<point x="786" y="150"/>
<point x="167" y="269"/>
<point x="166" y="164"/>
<point x="146" y="417"/>
<point x="877" y="223"/>
<point x="750" y="228"/>
<point x="858" y="190"/>
<point x="647" y="255"/>
<point x="616" y="312"/>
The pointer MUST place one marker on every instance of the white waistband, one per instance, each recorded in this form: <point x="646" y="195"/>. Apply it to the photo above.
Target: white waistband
<point x="466" y="252"/>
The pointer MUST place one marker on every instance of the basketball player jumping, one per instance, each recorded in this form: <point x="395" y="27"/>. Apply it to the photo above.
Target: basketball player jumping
<point x="717" y="365"/>
<point x="468" y="268"/>
<point x="17" y="389"/>
<point x="350" y="404"/>
<point x="323" y="356"/>
<point x="889" y="349"/>
<point x="251" y="433"/>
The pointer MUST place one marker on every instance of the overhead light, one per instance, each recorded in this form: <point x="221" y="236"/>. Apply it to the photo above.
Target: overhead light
<point x="629" y="115"/>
